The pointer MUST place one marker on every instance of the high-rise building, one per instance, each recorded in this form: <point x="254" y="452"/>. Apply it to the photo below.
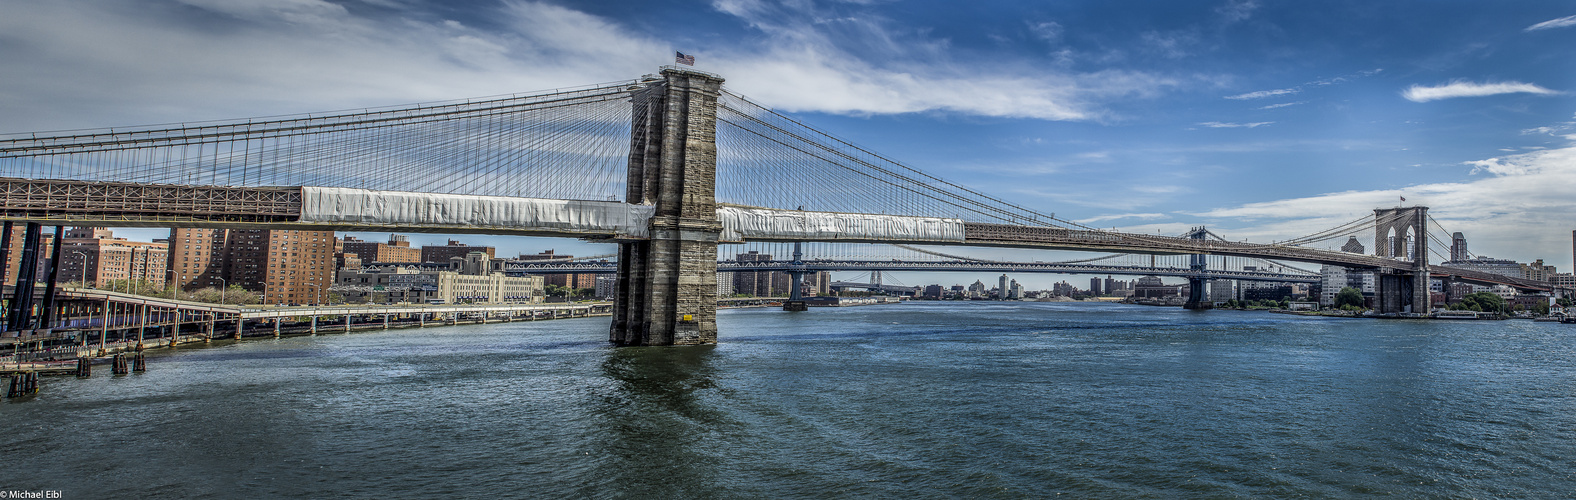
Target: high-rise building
<point x="1001" y="288"/>
<point x="1333" y="279"/>
<point x="285" y="266"/>
<point x="977" y="290"/>
<point x="760" y="283"/>
<point x="1565" y="281"/>
<point x="454" y="249"/>
<point x="1094" y="287"/>
<point x="607" y="285"/>
<point x="1537" y="271"/>
<point x="397" y="250"/>
<point x="1458" y="247"/>
<point x="823" y="283"/>
<point x="1222" y="290"/>
<point x="94" y="256"/>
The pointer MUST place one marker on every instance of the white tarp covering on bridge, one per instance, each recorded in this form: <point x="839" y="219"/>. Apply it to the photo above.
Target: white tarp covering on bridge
<point x="405" y="209"/>
<point x="793" y="225"/>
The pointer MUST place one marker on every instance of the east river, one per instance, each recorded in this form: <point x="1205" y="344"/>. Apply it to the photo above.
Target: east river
<point x="916" y="400"/>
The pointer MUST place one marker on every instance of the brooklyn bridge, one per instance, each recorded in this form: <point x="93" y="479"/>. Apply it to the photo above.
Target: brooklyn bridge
<point x="667" y="166"/>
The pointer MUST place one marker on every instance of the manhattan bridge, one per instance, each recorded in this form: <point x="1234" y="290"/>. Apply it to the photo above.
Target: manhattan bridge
<point x="666" y="166"/>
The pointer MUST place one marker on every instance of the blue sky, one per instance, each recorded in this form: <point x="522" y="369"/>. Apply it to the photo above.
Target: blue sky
<point x="1262" y="120"/>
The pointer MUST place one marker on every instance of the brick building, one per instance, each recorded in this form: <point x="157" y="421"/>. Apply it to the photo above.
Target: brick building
<point x="442" y="254"/>
<point x="284" y="266"/>
<point x="398" y="249"/>
<point x="94" y="256"/>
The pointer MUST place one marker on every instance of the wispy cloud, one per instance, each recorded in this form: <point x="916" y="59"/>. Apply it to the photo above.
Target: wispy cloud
<point x="213" y="59"/>
<point x="1233" y="125"/>
<point x="1553" y="23"/>
<point x="1264" y="93"/>
<point x="874" y="65"/>
<point x="1316" y="83"/>
<point x="1102" y="218"/>
<point x="1237" y="10"/>
<point x="1459" y="88"/>
<point x="1282" y="105"/>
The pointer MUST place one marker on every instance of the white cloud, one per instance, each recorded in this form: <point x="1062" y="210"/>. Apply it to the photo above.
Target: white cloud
<point x="1264" y="93"/>
<point x="1316" y="83"/>
<point x="1282" y="105"/>
<point x="1049" y="31"/>
<point x="1459" y="88"/>
<point x="1553" y="23"/>
<point x="1233" y="125"/>
<point x="80" y="64"/>
<point x="136" y="63"/>
<point x="1102" y="218"/>
<point x="1521" y="209"/>
<point x="1237" y="10"/>
<point x="801" y="66"/>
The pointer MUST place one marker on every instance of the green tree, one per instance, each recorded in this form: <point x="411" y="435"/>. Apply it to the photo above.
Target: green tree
<point x="1349" y="297"/>
<point x="1483" y="302"/>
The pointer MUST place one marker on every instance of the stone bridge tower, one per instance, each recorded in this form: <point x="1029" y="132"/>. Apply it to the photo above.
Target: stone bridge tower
<point x="1198" y="297"/>
<point x="667" y="285"/>
<point x="1402" y="233"/>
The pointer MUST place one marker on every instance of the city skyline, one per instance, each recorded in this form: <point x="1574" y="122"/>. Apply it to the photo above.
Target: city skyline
<point x="1262" y="121"/>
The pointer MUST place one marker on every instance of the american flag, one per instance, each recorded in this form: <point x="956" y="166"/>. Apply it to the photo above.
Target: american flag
<point x="1403" y="198"/>
<point x="683" y="59"/>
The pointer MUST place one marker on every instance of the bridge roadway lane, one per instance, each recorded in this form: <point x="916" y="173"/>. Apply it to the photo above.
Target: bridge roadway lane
<point x="927" y="266"/>
<point x="119" y="204"/>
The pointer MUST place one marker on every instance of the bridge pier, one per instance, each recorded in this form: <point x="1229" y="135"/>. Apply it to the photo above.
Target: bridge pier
<point x="1198" y="297"/>
<point x="667" y="286"/>
<point x="1393" y="292"/>
<point x="21" y="317"/>
<point x="795" y="300"/>
<point x="47" y="314"/>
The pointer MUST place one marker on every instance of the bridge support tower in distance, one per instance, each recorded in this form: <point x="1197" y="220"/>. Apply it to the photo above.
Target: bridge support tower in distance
<point x="796" y="283"/>
<point x="1198" y="297"/>
<point x="667" y="285"/>
<point x="1397" y="233"/>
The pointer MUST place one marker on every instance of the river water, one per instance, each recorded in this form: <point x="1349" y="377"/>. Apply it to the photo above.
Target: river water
<point x="990" y="400"/>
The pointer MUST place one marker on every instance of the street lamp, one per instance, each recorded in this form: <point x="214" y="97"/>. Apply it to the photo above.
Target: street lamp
<point x="174" y="292"/>
<point x="84" y="267"/>
<point x="222" y="285"/>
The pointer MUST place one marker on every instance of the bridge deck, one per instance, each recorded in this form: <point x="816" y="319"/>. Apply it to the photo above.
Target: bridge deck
<point x="119" y="204"/>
